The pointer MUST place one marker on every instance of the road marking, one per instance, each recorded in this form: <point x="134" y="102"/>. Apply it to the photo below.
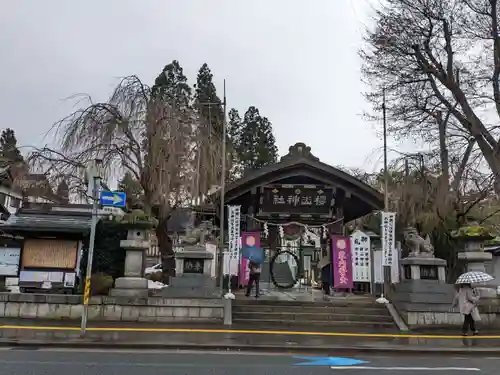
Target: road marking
<point x="328" y="361"/>
<point x="167" y="364"/>
<point x="244" y="331"/>
<point x="157" y="351"/>
<point x="404" y="368"/>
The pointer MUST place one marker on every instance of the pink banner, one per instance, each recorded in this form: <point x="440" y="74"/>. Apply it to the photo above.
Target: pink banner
<point x="249" y="240"/>
<point x="342" y="263"/>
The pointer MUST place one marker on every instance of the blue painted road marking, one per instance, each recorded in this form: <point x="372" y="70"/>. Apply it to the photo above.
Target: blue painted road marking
<point x="113" y="198"/>
<point x="329" y="361"/>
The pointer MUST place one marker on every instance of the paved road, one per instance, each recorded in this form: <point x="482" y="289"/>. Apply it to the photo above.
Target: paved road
<point x="93" y="362"/>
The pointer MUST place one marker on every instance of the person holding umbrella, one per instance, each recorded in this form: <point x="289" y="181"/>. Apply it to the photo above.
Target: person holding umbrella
<point x="255" y="256"/>
<point x="254" y="278"/>
<point x="467" y="299"/>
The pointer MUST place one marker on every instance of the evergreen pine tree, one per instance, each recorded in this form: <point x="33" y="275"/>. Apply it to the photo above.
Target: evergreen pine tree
<point x="171" y="84"/>
<point x="256" y="144"/>
<point x="234" y="128"/>
<point x="208" y="104"/>
<point x="8" y="148"/>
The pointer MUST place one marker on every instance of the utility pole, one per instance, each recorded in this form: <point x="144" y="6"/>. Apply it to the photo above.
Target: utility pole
<point x="222" y="196"/>
<point x="220" y="248"/>
<point x="94" y="179"/>
<point x="386" y="185"/>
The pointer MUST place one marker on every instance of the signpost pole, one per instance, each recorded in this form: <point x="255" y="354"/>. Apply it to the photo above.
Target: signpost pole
<point x="86" y="294"/>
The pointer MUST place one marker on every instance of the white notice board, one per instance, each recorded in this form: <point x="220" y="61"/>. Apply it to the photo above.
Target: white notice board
<point x="9" y="261"/>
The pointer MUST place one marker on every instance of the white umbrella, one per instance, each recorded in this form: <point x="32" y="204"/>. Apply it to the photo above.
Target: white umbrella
<point x="474" y="277"/>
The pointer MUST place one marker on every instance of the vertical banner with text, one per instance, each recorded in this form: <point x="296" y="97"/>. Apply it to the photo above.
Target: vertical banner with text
<point x="361" y="257"/>
<point x="233" y="254"/>
<point x="342" y="263"/>
<point x="388" y="233"/>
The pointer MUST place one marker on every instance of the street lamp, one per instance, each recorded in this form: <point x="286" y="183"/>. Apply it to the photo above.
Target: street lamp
<point x="94" y="178"/>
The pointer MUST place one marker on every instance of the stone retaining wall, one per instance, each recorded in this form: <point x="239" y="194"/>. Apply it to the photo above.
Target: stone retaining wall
<point x="427" y="304"/>
<point x="441" y="315"/>
<point x="153" y="309"/>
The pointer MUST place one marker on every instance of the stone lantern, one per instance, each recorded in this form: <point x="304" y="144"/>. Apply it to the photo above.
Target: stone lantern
<point x="133" y="284"/>
<point x="471" y="239"/>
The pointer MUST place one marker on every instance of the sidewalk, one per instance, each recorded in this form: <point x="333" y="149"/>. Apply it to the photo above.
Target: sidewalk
<point x="192" y="337"/>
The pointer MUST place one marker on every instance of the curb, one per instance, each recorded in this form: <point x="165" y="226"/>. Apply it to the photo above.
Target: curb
<point x="396" y="350"/>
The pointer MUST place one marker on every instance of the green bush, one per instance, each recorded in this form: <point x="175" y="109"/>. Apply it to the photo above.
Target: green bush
<point x="109" y="257"/>
<point x="100" y="284"/>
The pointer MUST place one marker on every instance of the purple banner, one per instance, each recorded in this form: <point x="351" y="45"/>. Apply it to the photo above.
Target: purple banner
<point x="342" y="263"/>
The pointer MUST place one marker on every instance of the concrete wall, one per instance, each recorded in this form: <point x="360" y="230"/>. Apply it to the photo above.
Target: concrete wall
<point x="153" y="309"/>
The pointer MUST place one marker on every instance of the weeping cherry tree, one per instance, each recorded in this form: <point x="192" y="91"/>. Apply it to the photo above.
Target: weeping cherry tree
<point x="155" y="139"/>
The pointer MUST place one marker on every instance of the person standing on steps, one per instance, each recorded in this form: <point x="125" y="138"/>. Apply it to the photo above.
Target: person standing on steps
<point x="467" y="299"/>
<point x="326" y="277"/>
<point x="254" y="278"/>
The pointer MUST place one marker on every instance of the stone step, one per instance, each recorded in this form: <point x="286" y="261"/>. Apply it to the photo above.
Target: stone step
<point x="340" y="302"/>
<point x="348" y="310"/>
<point x="292" y="323"/>
<point x="306" y="317"/>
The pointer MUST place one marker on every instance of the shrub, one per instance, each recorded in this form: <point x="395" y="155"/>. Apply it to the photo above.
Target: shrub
<point x="109" y="257"/>
<point x="100" y="284"/>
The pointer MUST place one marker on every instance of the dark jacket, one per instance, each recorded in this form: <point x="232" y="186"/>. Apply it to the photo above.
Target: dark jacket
<point x="326" y="274"/>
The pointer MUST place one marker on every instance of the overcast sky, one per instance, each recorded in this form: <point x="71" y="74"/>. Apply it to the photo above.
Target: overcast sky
<point x="295" y="60"/>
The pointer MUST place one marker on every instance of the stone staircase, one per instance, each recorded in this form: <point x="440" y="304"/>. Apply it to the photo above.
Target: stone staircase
<point x="340" y="313"/>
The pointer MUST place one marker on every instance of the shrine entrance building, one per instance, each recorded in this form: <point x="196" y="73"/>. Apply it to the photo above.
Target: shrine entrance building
<point x="296" y="204"/>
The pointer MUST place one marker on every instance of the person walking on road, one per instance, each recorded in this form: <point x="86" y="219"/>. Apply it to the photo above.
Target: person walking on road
<point x="254" y="278"/>
<point x="467" y="299"/>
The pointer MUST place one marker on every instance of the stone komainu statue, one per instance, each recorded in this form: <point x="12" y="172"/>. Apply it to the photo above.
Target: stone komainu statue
<point x="418" y="246"/>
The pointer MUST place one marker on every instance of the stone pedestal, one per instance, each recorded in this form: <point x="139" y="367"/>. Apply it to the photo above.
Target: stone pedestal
<point x="475" y="262"/>
<point x="424" y="268"/>
<point x="193" y="275"/>
<point x="133" y="284"/>
<point x="423" y="287"/>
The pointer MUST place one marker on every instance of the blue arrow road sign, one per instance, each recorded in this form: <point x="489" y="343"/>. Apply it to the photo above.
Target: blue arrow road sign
<point x="113" y="198"/>
<point x="329" y="361"/>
